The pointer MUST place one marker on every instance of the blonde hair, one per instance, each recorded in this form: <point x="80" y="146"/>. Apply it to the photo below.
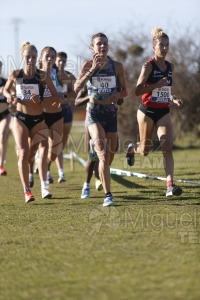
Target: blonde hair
<point x="27" y="45"/>
<point x="158" y="33"/>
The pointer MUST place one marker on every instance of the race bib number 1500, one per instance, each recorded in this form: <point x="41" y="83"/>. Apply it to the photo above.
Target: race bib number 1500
<point x="161" y="95"/>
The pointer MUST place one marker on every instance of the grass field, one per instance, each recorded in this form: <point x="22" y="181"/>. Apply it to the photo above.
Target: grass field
<point x="146" y="247"/>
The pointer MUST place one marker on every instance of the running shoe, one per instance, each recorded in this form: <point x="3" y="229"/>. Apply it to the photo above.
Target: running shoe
<point x="108" y="201"/>
<point x="85" y="193"/>
<point x="98" y="185"/>
<point x="173" y="191"/>
<point x="61" y="178"/>
<point x="2" y="171"/>
<point x="28" y="196"/>
<point x="130" y="155"/>
<point x="50" y="179"/>
<point x="92" y="153"/>
<point x="31" y="180"/>
<point x="45" y="193"/>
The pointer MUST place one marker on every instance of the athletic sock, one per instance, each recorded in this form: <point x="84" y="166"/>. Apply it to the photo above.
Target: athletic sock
<point x="60" y="172"/>
<point x="108" y="194"/>
<point x="26" y="189"/>
<point x="86" y="185"/>
<point x="43" y="184"/>
<point x="169" y="183"/>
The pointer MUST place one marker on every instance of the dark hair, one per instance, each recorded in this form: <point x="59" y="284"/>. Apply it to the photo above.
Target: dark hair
<point x="62" y="54"/>
<point x="42" y="52"/>
<point x="99" y="34"/>
<point x="1" y="64"/>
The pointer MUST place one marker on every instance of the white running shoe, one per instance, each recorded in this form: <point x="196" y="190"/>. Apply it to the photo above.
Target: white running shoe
<point x="45" y="193"/>
<point x="85" y="193"/>
<point x="61" y="178"/>
<point x="108" y="201"/>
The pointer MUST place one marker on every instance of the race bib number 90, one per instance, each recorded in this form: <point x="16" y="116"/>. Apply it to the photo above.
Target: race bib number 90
<point x="25" y="91"/>
<point x="161" y="95"/>
<point x="104" y="85"/>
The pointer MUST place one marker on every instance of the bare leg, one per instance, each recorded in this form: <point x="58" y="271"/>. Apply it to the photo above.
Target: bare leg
<point x="21" y="134"/>
<point x="4" y="130"/>
<point x="146" y="126"/>
<point x="59" y="159"/>
<point x="166" y="138"/>
<point x="98" y="136"/>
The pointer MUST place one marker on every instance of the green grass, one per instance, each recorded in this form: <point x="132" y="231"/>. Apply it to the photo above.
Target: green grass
<point x="146" y="247"/>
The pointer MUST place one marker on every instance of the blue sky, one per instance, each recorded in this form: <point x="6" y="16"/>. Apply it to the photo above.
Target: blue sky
<point x="68" y="24"/>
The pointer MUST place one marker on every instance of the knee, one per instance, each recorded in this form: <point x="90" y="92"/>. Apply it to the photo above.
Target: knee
<point x="104" y="156"/>
<point x="23" y="154"/>
<point x="52" y="156"/>
<point x="43" y="152"/>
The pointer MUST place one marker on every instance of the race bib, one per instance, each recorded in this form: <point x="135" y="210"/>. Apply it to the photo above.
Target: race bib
<point x="161" y="95"/>
<point x="25" y="91"/>
<point x="104" y="85"/>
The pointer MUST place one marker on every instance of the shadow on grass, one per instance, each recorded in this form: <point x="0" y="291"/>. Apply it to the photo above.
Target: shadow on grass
<point x="125" y="182"/>
<point x="194" y="187"/>
<point x="185" y="204"/>
<point x="43" y="203"/>
<point x="133" y="198"/>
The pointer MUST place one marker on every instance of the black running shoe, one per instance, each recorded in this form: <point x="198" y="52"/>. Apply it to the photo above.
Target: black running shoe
<point x="130" y="155"/>
<point x="173" y="191"/>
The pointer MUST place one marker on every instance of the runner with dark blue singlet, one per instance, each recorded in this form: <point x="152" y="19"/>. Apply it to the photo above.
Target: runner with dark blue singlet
<point x="69" y="95"/>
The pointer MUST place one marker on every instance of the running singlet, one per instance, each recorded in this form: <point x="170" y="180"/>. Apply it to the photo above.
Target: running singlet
<point x="56" y="83"/>
<point x="103" y="83"/>
<point x="25" y="88"/>
<point x="2" y="97"/>
<point x="159" y="97"/>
